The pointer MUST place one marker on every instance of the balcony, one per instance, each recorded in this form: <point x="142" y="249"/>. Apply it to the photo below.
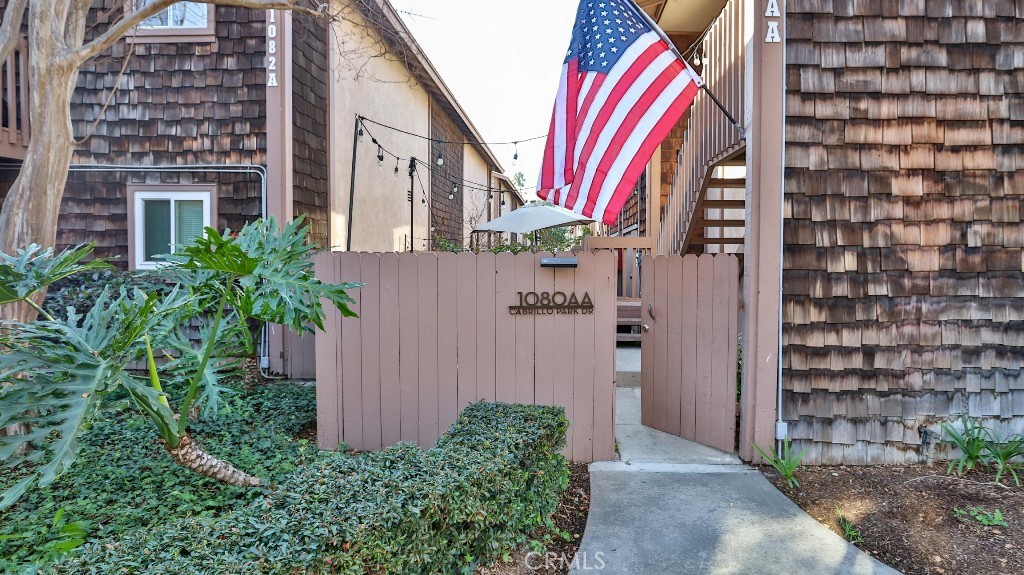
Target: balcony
<point x="14" y="117"/>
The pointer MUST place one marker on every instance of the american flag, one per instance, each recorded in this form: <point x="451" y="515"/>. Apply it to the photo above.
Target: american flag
<point x="622" y="90"/>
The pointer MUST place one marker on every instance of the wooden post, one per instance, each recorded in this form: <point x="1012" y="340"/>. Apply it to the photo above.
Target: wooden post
<point x="279" y="151"/>
<point x="765" y="120"/>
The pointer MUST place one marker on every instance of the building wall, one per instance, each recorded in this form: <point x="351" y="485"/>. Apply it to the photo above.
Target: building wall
<point x="903" y="240"/>
<point x="446" y="212"/>
<point x="311" y="188"/>
<point x="474" y="201"/>
<point x="189" y="103"/>
<point x="381" y="89"/>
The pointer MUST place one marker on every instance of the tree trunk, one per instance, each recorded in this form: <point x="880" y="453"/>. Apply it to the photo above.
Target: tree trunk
<point x="251" y="375"/>
<point x="30" y="210"/>
<point x="189" y="455"/>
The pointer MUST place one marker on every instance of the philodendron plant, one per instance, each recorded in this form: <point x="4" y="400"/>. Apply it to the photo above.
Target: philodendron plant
<point x="56" y="371"/>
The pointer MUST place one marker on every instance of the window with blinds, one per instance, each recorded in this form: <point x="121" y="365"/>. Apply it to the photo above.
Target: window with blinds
<point x="166" y="222"/>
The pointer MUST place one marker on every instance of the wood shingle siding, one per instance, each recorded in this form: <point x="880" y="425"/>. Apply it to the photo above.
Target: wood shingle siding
<point x="445" y="214"/>
<point x="310" y="109"/>
<point x="903" y="287"/>
<point x="187" y="103"/>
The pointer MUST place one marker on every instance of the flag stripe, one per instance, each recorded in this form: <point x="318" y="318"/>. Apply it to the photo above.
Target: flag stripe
<point x="605" y="105"/>
<point x="573" y="86"/>
<point x="637" y="120"/>
<point x="630" y="173"/>
<point x="621" y="91"/>
<point x="615" y="114"/>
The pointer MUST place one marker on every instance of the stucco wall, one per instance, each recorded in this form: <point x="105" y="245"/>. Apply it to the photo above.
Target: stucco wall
<point x="474" y="202"/>
<point x="381" y="89"/>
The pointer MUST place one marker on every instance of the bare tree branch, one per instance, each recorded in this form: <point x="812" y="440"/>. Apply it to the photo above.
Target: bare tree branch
<point x="110" y="97"/>
<point x="10" y="28"/>
<point x="136" y="17"/>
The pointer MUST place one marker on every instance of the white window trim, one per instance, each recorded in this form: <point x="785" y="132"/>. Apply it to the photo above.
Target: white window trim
<point x="139" y="220"/>
<point x="172" y="34"/>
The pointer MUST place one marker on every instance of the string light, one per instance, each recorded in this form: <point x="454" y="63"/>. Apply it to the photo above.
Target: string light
<point x="380" y="155"/>
<point x="401" y="131"/>
<point x="440" y="160"/>
<point x="466" y="184"/>
<point x="515" y="158"/>
<point x="360" y="133"/>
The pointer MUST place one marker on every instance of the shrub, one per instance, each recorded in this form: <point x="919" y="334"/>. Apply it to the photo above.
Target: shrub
<point x="495" y="476"/>
<point x="81" y="291"/>
<point x="123" y="482"/>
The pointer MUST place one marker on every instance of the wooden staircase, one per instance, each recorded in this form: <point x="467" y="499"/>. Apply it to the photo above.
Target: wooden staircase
<point x="628" y="320"/>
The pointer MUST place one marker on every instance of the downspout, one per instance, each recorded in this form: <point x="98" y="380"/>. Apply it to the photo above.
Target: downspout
<point x="780" y="424"/>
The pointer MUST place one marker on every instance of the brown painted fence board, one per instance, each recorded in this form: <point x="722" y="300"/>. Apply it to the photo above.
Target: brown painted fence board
<point x="390" y="395"/>
<point x="648" y="348"/>
<point x="565" y="355"/>
<point x="351" y="356"/>
<point x="604" y="363"/>
<point x="544" y="341"/>
<point x="689" y="388"/>
<point x="688" y="355"/>
<point x="436" y="333"/>
<point x="327" y="359"/>
<point x="583" y="360"/>
<point x="467" y="334"/>
<point x="705" y="330"/>
<point x="369" y="313"/>
<point x="408" y="320"/>
<point x="427" y="297"/>
<point x="504" y="328"/>
<point x="447" y="340"/>
<point x="485" y="327"/>
<point x="524" y="356"/>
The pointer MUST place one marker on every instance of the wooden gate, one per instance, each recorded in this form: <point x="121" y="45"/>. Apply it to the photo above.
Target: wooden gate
<point x="439" y="331"/>
<point x="689" y="347"/>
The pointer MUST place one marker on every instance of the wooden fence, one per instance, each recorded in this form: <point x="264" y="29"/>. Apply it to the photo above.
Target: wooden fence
<point x="689" y="348"/>
<point x="436" y="333"/>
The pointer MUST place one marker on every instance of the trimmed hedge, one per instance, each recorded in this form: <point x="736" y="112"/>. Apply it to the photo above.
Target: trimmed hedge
<point x="495" y="476"/>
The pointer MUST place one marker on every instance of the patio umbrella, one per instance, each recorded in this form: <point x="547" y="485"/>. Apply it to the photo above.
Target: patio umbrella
<point x="534" y="217"/>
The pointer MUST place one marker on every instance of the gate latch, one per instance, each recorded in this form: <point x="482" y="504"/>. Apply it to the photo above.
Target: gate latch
<point x="650" y="311"/>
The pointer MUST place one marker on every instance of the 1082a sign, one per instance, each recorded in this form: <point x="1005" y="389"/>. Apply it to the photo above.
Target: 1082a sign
<point x="557" y="303"/>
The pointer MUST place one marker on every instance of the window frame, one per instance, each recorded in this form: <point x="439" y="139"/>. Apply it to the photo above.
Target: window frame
<point x="138" y="193"/>
<point x="171" y="35"/>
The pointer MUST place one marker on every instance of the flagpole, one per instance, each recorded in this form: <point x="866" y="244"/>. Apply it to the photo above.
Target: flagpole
<point x="654" y="26"/>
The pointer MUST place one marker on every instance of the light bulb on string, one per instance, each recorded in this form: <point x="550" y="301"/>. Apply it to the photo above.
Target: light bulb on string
<point x="360" y="132"/>
<point x="455" y="189"/>
<point x="516" y="156"/>
<point x="440" y="160"/>
<point x="380" y="156"/>
<point x="696" y="59"/>
<point x="396" y="167"/>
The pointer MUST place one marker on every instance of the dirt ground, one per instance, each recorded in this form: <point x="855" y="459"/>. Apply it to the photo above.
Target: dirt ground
<point x="906" y="517"/>
<point x="571" y="517"/>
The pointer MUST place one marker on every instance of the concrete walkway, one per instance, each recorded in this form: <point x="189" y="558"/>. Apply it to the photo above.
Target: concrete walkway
<point x="671" y="507"/>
